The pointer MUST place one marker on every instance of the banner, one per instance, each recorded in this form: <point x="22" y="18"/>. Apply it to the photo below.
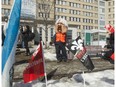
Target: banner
<point x="35" y="69"/>
<point x="10" y="43"/>
<point x="78" y="49"/>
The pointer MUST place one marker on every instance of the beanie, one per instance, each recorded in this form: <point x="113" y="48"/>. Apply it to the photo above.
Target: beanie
<point x="109" y="28"/>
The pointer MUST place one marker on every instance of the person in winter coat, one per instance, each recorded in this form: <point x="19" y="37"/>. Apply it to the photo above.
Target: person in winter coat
<point x="25" y="38"/>
<point x="109" y="55"/>
<point x="60" y="40"/>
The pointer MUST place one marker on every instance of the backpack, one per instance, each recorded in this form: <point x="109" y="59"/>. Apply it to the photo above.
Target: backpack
<point x="31" y="36"/>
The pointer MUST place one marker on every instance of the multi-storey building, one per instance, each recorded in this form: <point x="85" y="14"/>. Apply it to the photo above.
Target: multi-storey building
<point x="109" y="13"/>
<point x="6" y="7"/>
<point x="83" y="16"/>
<point x="99" y="35"/>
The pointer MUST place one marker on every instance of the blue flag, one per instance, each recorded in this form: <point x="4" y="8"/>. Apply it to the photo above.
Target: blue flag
<point x="9" y="47"/>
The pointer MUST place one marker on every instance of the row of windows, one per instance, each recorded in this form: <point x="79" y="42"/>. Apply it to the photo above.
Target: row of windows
<point x="61" y="2"/>
<point x="87" y="20"/>
<point x="112" y="22"/>
<point x="111" y="16"/>
<point x="76" y="19"/>
<point x="87" y="27"/>
<point x="6" y="2"/>
<point x="89" y="14"/>
<point x="40" y="33"/>
<point x="76" y="12"/>
<point x="102" y="28"/>
<point x="88" y="7"/>
<point x="45" y="15"/>
<point x="101" y="37"/>
<point x="111" y="3"/>
<point x="58" y="16"/>
<point x="102" y="10"/>
<point x="5" y="12"/>
<point x="61" y="10"/>
<point x="89" y="1"/>
<point x="76" y="5"/>
<point x="69" y="33"/>
<point x="84" y="6"/>
<point x="111" y="9"/>
<point x="43" y="6"/>
<point x="102" y="16"/>
<point x="102" y="3"/>
<point x="102" y="22"/>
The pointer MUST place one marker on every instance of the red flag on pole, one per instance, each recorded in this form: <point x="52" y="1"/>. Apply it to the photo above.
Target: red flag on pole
<point x="35" y="69"/>
<point x="112" y="56"/>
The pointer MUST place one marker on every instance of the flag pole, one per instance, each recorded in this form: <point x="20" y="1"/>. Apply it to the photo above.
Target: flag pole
<point x="83" y="78"/>
<point x="44" y="65"/>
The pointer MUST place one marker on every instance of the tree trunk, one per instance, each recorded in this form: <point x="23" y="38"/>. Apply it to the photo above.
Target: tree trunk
<point x="46" y="36"/>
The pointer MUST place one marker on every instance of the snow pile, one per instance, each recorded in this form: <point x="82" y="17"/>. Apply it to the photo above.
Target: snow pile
<point x="95" y="79"/>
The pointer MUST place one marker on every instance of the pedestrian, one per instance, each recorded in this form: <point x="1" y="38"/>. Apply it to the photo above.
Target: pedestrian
<point x="110" y="44"/>
<point x="25" y="38"/>
<point x="60" y="39"/>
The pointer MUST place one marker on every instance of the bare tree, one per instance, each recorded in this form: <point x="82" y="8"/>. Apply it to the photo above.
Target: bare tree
<point x="45" y="8"/>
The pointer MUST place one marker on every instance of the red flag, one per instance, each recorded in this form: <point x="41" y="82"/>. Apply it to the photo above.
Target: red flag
<point x="112" y="56"/>
<point x="35" y="69"/>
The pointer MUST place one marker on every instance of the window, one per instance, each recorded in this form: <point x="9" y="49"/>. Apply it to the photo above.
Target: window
<point x="101" y="28"/>
<point x="51" y="33"/>
<point x="6" y="2"/>
<point x="40" y="31"/>
<point x="102" y="16"/>
<point x="109" y="3"/>
<point x="6" y="12"/>
<point x="102" y="37"/>
<point x="102" y="22"/>
<point x="69" y="34"/>
<point x="109" y="9"/>
<point x="96" y="21"/>
<point x="102" y="3"/>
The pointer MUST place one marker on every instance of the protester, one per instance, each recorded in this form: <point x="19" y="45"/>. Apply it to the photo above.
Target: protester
<point x="110" y="44"/>
<point x="25" y="38"/>
<point x="60" y="39"/>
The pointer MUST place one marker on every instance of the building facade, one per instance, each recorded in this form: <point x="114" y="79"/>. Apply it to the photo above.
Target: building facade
<point x="110" y="13"/>
<point x="83" y="17"/>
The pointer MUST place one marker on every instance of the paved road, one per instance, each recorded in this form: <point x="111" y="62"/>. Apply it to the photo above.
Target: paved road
<point x="57" y="70"/>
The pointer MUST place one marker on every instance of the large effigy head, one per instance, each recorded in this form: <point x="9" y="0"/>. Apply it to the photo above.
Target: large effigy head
<point x="61" y="25"/>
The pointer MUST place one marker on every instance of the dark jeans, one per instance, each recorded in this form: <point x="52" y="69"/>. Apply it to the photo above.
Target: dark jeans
<point x="107" y="56"/>
<point x="26" y="47"/>
<point x="60" y="51"/>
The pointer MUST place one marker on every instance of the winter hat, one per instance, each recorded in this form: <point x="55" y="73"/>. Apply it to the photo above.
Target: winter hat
<point x="109" y="28"/>
<point x="61" y="20"/>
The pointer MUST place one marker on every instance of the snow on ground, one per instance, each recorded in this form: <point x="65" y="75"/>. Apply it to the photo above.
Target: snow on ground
<point x="96" y="79"/>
